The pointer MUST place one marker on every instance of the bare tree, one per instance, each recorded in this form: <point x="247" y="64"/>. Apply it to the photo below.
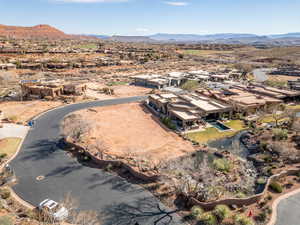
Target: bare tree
<point x="79" y="217"/>
<point x="75" y="127"/>
<point x="100" y="148"/>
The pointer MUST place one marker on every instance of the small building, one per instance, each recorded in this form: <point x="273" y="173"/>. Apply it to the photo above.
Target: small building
<point x="294" y="84"/>
<point x="152" y="81"/>
<point x="39" y="89"/>
<point x="8" y="66"/>
<point x="74" y="89"/>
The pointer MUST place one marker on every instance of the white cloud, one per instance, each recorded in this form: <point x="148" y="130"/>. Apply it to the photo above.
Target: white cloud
<point x="177" y="3"/>
<point x="141" y="29"/>
<point x="90" y="1"/>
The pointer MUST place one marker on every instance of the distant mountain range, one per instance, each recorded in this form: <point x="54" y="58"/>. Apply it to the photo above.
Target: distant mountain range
<point x="48" y="32"/>
<point x="226" y="38"/>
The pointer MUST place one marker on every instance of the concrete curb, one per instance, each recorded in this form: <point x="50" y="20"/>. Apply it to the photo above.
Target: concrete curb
<point x="277" y="202"/>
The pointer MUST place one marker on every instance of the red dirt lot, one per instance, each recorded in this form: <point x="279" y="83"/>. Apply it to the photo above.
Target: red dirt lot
<point x="23" y="111"/>
<point x="130" y="129"/>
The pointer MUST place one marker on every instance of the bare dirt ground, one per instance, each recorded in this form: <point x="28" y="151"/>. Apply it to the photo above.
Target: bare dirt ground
<point x="130" y="129"/>
<point x="282" y="77"/>
<point x="23" y="111"/>
<point x="120" y="91"/>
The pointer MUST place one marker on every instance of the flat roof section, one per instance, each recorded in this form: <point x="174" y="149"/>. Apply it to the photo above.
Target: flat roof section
<point x="184" y="115"/>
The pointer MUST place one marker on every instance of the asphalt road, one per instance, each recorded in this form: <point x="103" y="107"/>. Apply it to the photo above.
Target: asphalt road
<point x="288" y="211"/>
<point x="117" y="200"/>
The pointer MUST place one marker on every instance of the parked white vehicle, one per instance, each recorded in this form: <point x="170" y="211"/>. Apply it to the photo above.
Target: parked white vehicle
<point x="54" y="209"/>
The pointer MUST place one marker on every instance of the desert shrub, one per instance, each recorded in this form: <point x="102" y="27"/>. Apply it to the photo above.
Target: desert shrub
<point x="261" y="217"/>
<point x="190" y="85"/>
<point x="5" y="194"/>
<point x="276" y="187"/>
<point x="223" y="165"/>
<point x="109" y="167"/>
<point x="269" y="197"/>
<point x="6" y="220"/>
<point x="280" y="134"/>
<point x="221" y="212"/>
<point x="240" y="195"/>
<point x="167" y="121"/>
<point x="3" y="155"/>
<point x="207" y="219"/>
<point x="241" y="219"/>
<point x="196" y="212"/>
<point x="261" y="180"/>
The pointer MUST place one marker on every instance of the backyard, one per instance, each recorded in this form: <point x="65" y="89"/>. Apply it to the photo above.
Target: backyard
<point x="212" y="133"/>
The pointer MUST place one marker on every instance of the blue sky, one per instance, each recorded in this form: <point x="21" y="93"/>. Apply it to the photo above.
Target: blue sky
<point x="143" y="17"/>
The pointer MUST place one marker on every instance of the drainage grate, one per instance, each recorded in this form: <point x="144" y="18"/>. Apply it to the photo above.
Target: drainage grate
<point x="39" y="178"/>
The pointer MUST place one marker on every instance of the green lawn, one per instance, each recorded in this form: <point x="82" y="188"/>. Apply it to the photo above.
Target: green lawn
<point x="294" y="107"/>
<point x="212" y="133"/>
<point x="9" y="146"/>
<point x="116" y="83"/>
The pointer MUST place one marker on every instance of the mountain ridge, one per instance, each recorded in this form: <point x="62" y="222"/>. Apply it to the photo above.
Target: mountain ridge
<point x="41" y="31"/>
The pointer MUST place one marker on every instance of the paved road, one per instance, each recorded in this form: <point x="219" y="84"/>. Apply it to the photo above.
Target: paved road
<point x="288" y="211"/>
<point x="95" y="189"/>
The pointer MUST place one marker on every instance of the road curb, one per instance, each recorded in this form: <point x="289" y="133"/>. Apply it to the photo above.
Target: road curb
<point x="277" y="202"/>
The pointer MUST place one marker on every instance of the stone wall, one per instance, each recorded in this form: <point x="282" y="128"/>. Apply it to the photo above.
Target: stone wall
<point x="134" y="171"/>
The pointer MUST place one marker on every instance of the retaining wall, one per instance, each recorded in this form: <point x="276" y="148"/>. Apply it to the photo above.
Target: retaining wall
<point x="147" y="176"/>
<point x="240" y="201"/>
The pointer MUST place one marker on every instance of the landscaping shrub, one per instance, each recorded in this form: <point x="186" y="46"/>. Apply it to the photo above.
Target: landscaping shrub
<point x="261" y="217"/>
<point x="208" y="219"/>
<point x="221" y="212"/>
<point x="280" y="134"/>
<point x="223" y="165"/>
<point x="167" y="121"/>
<point x="276" y="187"/>
<point x="5" y="194"/>
<point x="261" y="180"/>
<point x="196" y="212"/>
<point x="241" y="219"/>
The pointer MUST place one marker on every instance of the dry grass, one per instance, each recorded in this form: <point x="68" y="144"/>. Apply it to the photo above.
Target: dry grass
<point x="9" y="146"/>
<point x="23" y="111"/>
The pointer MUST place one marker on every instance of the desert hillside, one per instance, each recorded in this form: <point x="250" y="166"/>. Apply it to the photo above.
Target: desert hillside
<point x="36" y="32"/>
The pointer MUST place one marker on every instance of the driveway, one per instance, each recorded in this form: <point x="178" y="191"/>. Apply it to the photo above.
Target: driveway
<point x="13" y="130"/>
<point x="260" y="75"/>
<point x="117" y="200"/>
<point x="288" y="211"/>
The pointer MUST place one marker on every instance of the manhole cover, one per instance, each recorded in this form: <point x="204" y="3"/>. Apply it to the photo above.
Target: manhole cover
<point x="40" y="178"/>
